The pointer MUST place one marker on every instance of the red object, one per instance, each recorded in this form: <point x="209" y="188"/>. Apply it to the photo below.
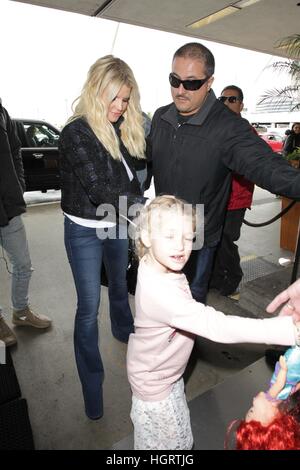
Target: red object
<point x="241" y="191"/>
<point x="273" y="140"/>
<point x="283" y="433"/>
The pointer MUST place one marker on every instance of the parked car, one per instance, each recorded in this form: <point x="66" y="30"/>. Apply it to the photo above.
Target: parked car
<point x="39" y="141"/>
<point x="274" y="140"/>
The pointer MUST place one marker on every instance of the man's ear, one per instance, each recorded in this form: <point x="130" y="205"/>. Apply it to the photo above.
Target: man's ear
<point x="145" y="238"/>
<point x="210" y="82"/>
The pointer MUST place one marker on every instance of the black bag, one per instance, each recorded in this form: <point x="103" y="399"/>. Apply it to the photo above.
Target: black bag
<point x="132" y="270"/>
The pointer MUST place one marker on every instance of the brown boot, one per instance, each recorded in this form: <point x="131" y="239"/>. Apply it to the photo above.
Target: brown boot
<point x="6" y="334"/>
<point x="27" y="317"/>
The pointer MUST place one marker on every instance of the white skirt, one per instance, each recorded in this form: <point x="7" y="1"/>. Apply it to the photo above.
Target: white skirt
<point x="164" y="424"/>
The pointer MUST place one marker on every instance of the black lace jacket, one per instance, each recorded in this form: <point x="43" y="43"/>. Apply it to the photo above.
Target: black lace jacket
<point x="90" y="176"/>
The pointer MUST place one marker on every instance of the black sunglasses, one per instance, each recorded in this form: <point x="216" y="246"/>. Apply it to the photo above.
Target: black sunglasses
<point x="190" y="85"/>
<point x="231" y="99"/>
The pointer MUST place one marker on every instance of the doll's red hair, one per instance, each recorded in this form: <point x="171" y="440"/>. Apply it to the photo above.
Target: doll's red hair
<point x="283" y="433"/>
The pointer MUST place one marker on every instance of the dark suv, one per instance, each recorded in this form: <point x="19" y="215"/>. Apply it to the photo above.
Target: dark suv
<point x="40" y="156"/>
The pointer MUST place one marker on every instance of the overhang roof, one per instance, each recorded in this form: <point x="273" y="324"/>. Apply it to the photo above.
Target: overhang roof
<point x="256" y="27"/>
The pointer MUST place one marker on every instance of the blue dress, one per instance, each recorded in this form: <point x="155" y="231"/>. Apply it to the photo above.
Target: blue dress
<point x="292" y="357"/>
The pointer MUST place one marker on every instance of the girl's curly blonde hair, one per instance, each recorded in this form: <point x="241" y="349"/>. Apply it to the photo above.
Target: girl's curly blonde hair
<point x="158" y="206"/>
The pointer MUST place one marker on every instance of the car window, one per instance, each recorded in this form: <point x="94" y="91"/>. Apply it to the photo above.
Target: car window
<point x="275" y="137"/>
<point x="41" y="135"/>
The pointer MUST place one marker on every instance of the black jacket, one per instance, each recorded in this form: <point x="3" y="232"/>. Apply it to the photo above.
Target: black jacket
<point x="90" y="176"/>
<point x="12" y="183"/>
<point x="194" y="160"/>
<point x="292" y="141"/>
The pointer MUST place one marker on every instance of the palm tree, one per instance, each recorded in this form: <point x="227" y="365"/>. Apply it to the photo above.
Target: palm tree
<point x="291" y="93"/>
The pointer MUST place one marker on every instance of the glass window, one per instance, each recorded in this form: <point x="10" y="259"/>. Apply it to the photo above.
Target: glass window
<point x="41" y="135"/>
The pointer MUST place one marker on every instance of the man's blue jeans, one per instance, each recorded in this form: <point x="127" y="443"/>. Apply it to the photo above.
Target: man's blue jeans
<point x="85" y="253"/>
<point x="13" y="240"/>
<point x="198" y="271"/>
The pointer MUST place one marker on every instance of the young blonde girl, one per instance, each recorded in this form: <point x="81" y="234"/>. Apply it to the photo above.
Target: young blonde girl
<point x="166" y="322"/>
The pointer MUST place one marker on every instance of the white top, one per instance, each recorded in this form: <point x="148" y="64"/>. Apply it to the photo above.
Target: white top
<point x="90" y="223"/>
<point x="129" y="172"/>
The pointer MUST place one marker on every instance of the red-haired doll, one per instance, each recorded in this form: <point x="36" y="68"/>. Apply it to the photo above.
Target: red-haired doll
<point x="271" y="422"/>
<point x="283" y="433"/>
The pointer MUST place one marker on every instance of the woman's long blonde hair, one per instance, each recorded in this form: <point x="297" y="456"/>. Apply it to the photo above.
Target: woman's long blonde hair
<point x="108" y="75"/>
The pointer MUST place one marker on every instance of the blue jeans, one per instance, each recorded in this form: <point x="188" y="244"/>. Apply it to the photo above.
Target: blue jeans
<point x="13" y="240"/>
<point x="85" y="253"/>
<point x="198" y="271"/>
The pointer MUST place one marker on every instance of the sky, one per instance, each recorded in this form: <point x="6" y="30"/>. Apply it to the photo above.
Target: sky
<point x="46" y="54"/>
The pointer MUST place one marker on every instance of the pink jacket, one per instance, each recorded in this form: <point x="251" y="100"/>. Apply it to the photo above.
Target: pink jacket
<point x="166" y="321"/>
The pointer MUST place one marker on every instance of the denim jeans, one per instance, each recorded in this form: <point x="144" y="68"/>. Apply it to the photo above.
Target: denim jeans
<point x="13" y="240"/>
<point x="85" y="253"/>
<point x="198" y="271"/>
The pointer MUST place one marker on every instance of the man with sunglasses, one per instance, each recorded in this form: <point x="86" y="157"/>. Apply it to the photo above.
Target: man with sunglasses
<point x="227" y="272"/>
<point x="233" y="97"/>
<point x="194" y="145"/>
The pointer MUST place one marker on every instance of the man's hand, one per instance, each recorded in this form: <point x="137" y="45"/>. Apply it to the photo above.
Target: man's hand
<point x="291" y="298"/>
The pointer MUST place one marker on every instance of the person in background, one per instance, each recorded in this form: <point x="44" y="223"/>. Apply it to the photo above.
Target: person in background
<point x="292" y="141"/>
<point x="31" y="135"/>
<point x="97" y="148"/>
<point x="194" y="145"/>
<point x="227" y="272"/>
<point x="167" y="320"/>
<point x="12" y="231"/>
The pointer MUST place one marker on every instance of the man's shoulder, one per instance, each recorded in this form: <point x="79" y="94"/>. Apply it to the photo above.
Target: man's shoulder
<point x="4" y="117"/>
<point x="163" y="109"/>
<point x="228" y="119"/>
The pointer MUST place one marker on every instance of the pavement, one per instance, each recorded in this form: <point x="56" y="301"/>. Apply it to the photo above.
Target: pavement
<point x="44" y="360"/>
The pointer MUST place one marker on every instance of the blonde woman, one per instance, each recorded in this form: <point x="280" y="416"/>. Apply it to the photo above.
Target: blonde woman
<point x="97" y="148"/>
